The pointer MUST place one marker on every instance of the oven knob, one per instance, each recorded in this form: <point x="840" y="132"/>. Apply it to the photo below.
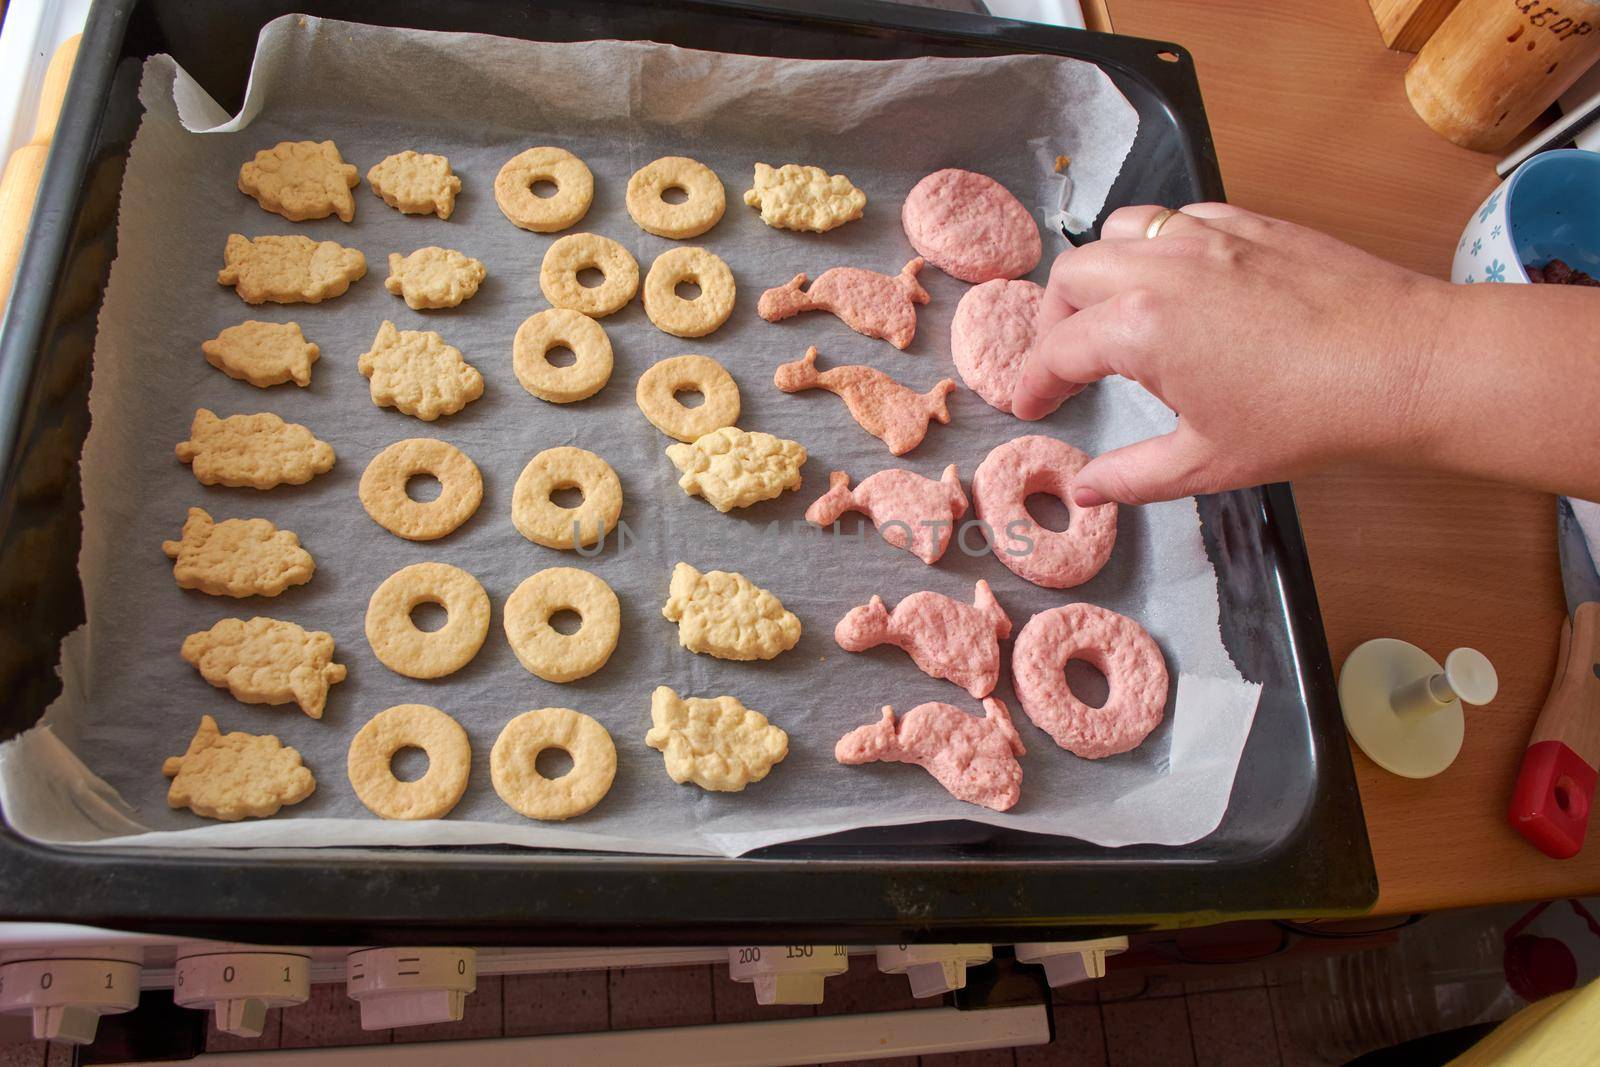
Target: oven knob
<point x="67" y="990"/>
<point x="1066" y="962"/>
<point x="240" y="982"/>
<point x="411" y="986"/>
<point x="787" y="974"/>
<point x="932" y="969"/>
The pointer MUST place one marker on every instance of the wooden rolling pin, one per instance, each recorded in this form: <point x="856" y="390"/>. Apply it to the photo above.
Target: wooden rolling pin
<point x="1406" y="25"/>
<point x="19" y="185"/>
<point x="1494" y="65"/>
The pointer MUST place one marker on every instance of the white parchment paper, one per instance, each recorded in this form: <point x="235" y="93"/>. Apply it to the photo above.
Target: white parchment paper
<point x="92" y="771"/>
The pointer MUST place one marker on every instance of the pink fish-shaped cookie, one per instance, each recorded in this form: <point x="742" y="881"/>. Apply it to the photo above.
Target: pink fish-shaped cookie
<point x="911" y="512"/>
<point x="877" y="305"/>
<point x="944" y="637"/>
<point x="896" y="415"/>
<point x="975" y="759"/>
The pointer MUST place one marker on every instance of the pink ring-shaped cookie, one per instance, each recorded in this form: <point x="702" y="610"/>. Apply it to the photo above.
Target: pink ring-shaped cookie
<point x="1119" y="648"/>
<point x="1053" y="559"/>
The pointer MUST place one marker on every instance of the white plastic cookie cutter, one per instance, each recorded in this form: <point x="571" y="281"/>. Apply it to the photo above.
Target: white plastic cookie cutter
<point x="1404" y="709"/>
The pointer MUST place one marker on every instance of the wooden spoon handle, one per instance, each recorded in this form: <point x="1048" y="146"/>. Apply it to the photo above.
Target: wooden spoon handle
<point x="1556" y="785"/>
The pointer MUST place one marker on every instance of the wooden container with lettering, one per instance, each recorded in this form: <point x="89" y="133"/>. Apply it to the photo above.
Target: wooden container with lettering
<point x="1494" y="65"/>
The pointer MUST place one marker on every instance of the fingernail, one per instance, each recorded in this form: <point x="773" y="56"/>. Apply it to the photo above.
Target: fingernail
<point x="1085" y="497"/>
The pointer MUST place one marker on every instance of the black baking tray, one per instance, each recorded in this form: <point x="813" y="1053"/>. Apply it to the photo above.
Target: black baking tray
<point x="1293" y="842"/>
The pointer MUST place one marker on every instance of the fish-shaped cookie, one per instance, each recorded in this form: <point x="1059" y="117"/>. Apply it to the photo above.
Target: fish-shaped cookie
<point x="290" y="269"/>
<point x="259" y="450"/>
<point x="267" y="661"/>
<point x="263" y="353"/>
<point x="236" y="776"/>
<point x="237" y="557"/>
<point x="301" y="180"/>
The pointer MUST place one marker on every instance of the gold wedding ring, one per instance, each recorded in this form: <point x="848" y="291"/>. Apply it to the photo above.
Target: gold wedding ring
<point x="1159" y="221"/>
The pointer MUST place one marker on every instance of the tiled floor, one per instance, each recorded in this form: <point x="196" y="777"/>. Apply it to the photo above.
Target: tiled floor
<point x="1125" y="1020"/>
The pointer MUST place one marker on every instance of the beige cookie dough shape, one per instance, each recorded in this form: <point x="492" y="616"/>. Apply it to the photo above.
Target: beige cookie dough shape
<point x="236" y="776"/>
<point x="267" y="661"/>
<point x="259" y="450"/>
<point x="263" y="353"/>
<point x="724" y="614"/>
<point x="434" y="277"/>
<point x="798" y="197"/>
<point x="416" y="183"/>
<point x="288" y="269"/>
<point x="301" y="180"/>
<point x="237" y="557"/>
<point x="415" y="372"/>
<point x="718" y="744"/>
<point x="734" y="468"/>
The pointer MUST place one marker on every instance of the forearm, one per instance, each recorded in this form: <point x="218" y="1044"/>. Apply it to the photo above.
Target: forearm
<point x="1511" y="389"/>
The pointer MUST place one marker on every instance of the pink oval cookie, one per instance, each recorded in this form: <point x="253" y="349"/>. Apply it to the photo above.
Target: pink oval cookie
<point x="970" y="226"/>
<point x="991" y="335"/>
<point x="1054" y="559"/>
<point x="1116" y="646"/>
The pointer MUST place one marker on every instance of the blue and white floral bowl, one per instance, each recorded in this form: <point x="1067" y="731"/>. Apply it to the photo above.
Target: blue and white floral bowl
<point x="1549" y="208"/>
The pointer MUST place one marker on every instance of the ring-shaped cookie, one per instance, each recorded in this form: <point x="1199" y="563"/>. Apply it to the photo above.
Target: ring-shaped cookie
<point x="1116" y="646"/>
<point x="513" y="189"/>
<point x="546" y="651"/>
<point x="561" y="328"/>
<point x="543" y="521"/>
<point x="529" y="793"/>
<point x="688" y="318"/>
<point x="415" y="653"/>
<point x="657" y="397"/>
<point x="702" y="207"/>
<point x="558" y="274"/>
<point x="372" y="751"/>
<point x="1053" y="559"/>
<point x="383" y="488"/>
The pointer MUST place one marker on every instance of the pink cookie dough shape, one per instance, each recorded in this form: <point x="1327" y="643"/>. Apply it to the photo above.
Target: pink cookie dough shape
<point x="970" y="226"/>
<point x="1053" y="559"/>
<point x="911" y="512"/>
<point x="991" y="336"/>
<point x="944" y="637"/>
<point x="896" y="415"/>
<point x="873" y="304"/>
<point x="975" y="759"/>
<point x="1117" y="647"/>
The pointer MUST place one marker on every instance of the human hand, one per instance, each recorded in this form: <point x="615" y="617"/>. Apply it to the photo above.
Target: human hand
<point x="1280" y="348"/>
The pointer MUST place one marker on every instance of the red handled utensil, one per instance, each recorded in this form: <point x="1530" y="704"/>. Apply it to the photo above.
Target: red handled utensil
<point x="1556" y="785"/>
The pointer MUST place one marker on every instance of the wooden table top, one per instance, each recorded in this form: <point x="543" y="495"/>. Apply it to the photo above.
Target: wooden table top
<point x="1312" y="124"/>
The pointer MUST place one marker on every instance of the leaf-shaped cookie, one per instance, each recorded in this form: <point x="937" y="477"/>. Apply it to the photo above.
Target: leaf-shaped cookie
<point x="414" y="371"/>
<point x="728" y="616"/>
<point x="798" y="197"/>
<point x="733" y="468"/>
<point x="720" y="745"/>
